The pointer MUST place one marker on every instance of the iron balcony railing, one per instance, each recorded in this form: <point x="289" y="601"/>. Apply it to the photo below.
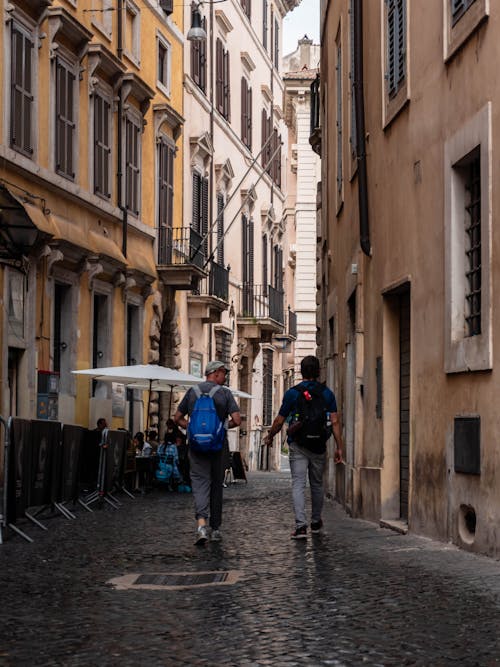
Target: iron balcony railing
<point x="292" y="323"/>
<point x="180" y="245"/>
<point x="216" y="283"/>
<point x="262" y="301"/>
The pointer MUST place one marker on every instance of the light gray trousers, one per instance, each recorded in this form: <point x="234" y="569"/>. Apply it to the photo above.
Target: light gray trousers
<point x="207" y="477"/>
<point x="304" y="463"/>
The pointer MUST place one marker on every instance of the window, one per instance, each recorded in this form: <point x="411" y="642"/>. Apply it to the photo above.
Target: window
<point x="102" y="16"/>
<point x="471" y="175"/>
<point x="338" y="85"/>
<point x="163" y="76"/>
<point x="265" y="276"/>
<point x="223" y="348"/>
<point x="199" y="220"/>
<point x="220" y="229"/>
<point x="462" y="18"/>
<point x="265" y="26"/>
<point x="247" y="7"/>
<point x="396" y="45"/>
<point x="246" y="113"/>
<point x="458" y="9"/>
<point x="65" y="119"/>
<point x="247" y="252"/>
<point x="166" y="155"/>
<point x="21" y="90"/>
<point x="396" y="62"/>
<point x="222" y="84"/>
<point x="276" y="158"/>
<point x="468" y="224"/>
<point x="267" y="388"/>
<point x="132" y="165"/>
<point x="278" y="268"/>
<point x="102" y="145"/>
<point x="352" y="135"/>
<point x="276" y="44"/>
<point x="132" y="32"/>
<point x="266" y="127"/>
<point x="199" y="60"/>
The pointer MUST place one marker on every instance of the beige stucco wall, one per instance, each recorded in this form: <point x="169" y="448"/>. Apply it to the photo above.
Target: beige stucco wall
<point x="407" y="196"/>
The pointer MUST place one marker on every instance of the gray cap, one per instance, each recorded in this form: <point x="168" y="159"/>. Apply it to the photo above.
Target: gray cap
<point x="213" y="366"/>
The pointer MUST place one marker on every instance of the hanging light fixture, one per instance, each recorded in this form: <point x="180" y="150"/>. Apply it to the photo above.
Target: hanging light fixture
<point x="196" y="32"/>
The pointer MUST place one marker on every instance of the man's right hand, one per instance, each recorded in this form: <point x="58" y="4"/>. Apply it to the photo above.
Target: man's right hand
<point x="268" y="441"/>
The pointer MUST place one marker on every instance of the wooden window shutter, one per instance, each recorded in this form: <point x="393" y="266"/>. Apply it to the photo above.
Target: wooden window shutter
<point x="276" y="44"/>
<point x="203" y="58"/>
<point x="162" y="184"/>
<point x="21" y="91"/>
<point x="263" y="125"/>
<point x="220" y="229"/>
<point x="250" y="251"/>
<point x="264" y="23"/>
<point x="227" y="86"/>
<point x="244" y="117"/>
<point x="264" y="264"/>
<point x="219" y="80"/>
<point x="244" y="248"/>
<point x="195" y="217"/>
<point x="249" y="118"/>
<point x="170" y="185"/>
<point x="204" y="214"/>
<point x="195" y="59"/>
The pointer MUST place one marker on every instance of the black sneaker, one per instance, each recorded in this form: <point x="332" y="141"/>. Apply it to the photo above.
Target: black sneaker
<point x="299" y="533"/>
<point x="316" y="526"/>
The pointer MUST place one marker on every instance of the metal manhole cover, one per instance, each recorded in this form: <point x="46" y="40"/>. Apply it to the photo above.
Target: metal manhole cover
<point x="175" y="580"/>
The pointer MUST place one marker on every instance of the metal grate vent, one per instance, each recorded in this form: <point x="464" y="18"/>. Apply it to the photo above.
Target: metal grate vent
<point x="181" y="579"/>
<point x="466" y="442"/>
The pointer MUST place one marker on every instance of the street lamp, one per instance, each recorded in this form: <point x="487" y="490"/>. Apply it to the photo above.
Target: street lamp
<point x="196" y="32"/>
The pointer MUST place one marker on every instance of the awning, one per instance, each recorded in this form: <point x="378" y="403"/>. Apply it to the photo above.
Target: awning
<point x="22" y="225"/>
<point x="72" y="233"/>
<point x="106" y="246"/>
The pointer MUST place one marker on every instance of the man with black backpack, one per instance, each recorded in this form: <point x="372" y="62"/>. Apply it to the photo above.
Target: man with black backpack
<point x="311" y="407"/>
<point x="212" y="410"/>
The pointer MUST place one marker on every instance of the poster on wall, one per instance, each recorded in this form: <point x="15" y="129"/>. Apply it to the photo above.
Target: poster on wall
<point x="117" y="399"/>
<point x="195" y="364"/>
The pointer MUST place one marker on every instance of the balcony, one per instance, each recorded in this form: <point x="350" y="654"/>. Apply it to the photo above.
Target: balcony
<point x="211" y="298"/>
<point x="181" y="257"/>
<point x="260" y="312"/>
<point x="289" y="335"/>
<point x="315" y="131"/>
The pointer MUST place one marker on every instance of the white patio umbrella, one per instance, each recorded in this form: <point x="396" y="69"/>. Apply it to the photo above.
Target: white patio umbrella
<point x="150" y="377"/>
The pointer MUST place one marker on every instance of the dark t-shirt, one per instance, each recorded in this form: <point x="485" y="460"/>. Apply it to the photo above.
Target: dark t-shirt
<point x="223" y="399"/>
<point x="291" y="396"/>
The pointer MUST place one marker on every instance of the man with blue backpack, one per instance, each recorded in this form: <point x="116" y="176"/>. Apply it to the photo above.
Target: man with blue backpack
<point x="311" y="410"/>
<point x="212" y="410"/>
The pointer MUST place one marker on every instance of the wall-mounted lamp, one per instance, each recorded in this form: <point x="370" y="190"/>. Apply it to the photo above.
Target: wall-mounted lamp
<point x="196" y="32"/>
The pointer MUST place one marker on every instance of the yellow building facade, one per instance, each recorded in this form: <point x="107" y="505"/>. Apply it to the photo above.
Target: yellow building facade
<point x="90" y="186"/>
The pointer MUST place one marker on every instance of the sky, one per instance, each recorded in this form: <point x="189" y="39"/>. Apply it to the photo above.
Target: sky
<point x="304" y="20"/>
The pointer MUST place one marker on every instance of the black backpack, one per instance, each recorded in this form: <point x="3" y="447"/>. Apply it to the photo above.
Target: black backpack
<point x="309" y="425"/>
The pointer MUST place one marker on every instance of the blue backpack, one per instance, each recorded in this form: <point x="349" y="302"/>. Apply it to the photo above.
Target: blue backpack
<point x="205" y="430"/>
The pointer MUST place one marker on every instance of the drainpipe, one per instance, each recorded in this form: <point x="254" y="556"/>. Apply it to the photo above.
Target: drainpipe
<point x="364" y="230"/>
<point x="119" y="157"/>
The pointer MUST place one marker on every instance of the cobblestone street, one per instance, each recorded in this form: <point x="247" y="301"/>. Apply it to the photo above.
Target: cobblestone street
<point x="357" y="595"/>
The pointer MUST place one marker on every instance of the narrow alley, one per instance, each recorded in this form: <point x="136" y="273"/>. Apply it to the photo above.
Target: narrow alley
<point x="356" y="595"/>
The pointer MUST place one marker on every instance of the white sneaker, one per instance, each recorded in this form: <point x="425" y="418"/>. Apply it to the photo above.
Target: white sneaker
<point x="201" y="535"/>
